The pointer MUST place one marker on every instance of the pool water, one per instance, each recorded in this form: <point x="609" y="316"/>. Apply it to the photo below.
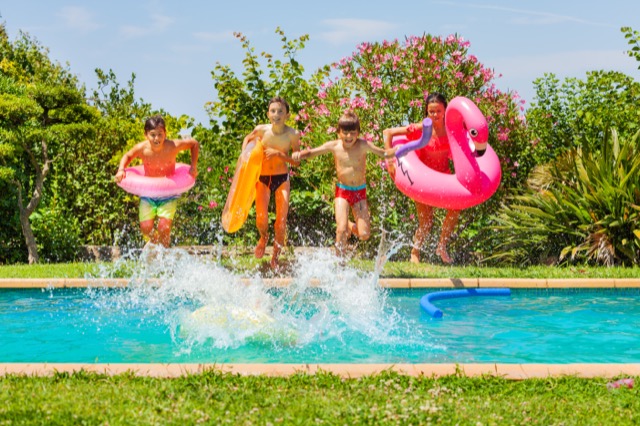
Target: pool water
<point x="197" y="311"/>
<point x="320" y="326"/>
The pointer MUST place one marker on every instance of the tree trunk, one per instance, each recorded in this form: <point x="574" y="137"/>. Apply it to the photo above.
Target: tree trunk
<point x="25" y="211"/>
<point x="29" y="238"/>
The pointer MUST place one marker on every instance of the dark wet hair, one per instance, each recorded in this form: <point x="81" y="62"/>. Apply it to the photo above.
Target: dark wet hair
<point x="434" y="97"/>
<point x="153" y="123"/>
<point x="349" y="122"/>
<point x="279" y="100"/>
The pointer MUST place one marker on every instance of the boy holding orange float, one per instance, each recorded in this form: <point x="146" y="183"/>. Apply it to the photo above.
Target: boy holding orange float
<point x="158" y="155"/>
<point x="350" y="155"/>
<point x="278" y="139"/>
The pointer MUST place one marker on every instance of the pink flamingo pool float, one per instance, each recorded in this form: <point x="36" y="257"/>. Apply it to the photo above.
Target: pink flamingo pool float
<point x="476" y="177"/>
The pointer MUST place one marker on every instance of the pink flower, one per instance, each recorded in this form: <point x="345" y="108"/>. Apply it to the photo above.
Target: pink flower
<point x="208" y="169"/>
<point x="226" y="169"/>
<point x="199" y="208"/>
<point x="213" y="204"/>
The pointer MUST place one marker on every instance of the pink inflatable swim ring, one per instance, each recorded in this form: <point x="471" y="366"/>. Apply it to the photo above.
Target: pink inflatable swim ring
<point x="476" y="177"/>
<point x="136" y="183"/>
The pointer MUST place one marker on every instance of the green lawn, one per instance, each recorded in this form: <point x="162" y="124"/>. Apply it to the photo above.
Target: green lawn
<point x="387" y="398"/>
<point x="391" y="270"/>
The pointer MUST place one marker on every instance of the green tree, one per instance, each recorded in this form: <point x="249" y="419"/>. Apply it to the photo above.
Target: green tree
<point x="565" y="114"/>
<point x="633" y="38"/>
<point x="42" y="107"/>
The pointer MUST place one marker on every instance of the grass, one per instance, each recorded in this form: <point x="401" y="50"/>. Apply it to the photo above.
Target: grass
<point x="247" y="264"/>
<point x="386" y="398"/>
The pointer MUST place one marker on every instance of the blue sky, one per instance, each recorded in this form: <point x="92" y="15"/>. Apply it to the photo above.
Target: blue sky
<point x="172" y="46"/>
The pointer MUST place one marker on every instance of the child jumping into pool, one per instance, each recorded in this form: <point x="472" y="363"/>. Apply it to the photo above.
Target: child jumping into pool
<point x="350" y="155"/>
<point x="158" y="155"/>
<point x="435" y="155"/>
<point x="278" y="140"/>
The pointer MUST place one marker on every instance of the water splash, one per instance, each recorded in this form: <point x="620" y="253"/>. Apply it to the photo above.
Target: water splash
<point x="207" y="307"/>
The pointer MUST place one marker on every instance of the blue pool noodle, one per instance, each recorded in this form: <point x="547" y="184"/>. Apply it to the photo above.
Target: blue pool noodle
<point x="427" y="299"/>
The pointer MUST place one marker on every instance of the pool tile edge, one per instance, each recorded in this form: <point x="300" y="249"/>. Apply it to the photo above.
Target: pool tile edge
<point x="507" y="371"/>
<point x="384" y="282"/>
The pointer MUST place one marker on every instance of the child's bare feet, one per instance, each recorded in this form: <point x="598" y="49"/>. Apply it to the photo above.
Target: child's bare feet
<point x="442" y="252"/>
<point x="260" y="248"/>
<point x="275" y="266"/>
<point x="415" y="255"/>
<point x="353" y="229"/>
<point x="274" y="257"/>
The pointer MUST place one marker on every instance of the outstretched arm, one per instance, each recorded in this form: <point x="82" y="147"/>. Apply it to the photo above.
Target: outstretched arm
<point x="382" y="153"/>
<point x="126" y="159"/>
<point x="310" y="153"/>
<point x="387" y="136"/>
<point x="194" y="146"/>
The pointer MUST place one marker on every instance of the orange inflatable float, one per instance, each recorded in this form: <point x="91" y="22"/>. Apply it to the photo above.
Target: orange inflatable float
<point x="243" y="187"/>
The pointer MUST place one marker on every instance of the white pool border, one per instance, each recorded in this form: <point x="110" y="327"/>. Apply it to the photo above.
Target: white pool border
<point x="508" y="371"/>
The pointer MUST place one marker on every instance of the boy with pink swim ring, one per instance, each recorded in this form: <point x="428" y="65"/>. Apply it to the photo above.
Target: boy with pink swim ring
<point x="436" y="155"/>
<point x="158" y="155"/>
<point x="350" y="155"/>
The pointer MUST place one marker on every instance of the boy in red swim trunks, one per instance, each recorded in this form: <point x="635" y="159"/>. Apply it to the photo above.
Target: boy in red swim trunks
<point x="278" y="139"/>
<point x="158" y="155"/>
<point x="350" y="154"/>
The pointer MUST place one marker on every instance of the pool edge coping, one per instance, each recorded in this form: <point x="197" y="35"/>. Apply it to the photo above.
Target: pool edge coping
<point x="507" y="371"/>
<point x="17" y="283"/>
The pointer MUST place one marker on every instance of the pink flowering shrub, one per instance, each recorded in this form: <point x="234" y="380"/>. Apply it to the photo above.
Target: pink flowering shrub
<point x="386" y="84"/>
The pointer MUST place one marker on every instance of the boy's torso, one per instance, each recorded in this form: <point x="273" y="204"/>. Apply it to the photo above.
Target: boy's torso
<point x="351" y="163"/>
<point x="280" y="142"/>
<point x="159" y="163"/>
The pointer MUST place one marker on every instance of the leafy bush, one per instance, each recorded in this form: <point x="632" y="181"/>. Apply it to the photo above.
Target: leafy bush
<point x="567" y="113"/>
<point x="57" y="235"/>
<point x="583" y="207"/>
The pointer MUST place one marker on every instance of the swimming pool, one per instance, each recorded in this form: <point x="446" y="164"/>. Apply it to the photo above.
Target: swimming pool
<point x="349" y="321"/>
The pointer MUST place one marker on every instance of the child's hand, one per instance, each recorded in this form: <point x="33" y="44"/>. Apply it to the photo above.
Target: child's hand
<point x="119" y="176"/>
<point x="270" y="152"/>
<point x="391" y="167"/>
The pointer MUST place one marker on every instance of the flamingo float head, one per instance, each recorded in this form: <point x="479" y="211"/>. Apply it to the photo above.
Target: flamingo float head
<point x="465" y="120"/>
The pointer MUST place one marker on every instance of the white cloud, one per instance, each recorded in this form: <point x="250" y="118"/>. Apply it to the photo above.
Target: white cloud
<point x="157" y="24"/>
<point x="78" y="18"/>
<point x="355" y="30"/>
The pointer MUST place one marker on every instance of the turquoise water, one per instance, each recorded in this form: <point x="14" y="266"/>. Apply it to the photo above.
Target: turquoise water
<point x="196" y="311"/>
<point x="147" y="325"/>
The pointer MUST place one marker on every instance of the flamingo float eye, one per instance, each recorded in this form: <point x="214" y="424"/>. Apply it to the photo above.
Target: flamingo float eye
<point x="473" y="133"/>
